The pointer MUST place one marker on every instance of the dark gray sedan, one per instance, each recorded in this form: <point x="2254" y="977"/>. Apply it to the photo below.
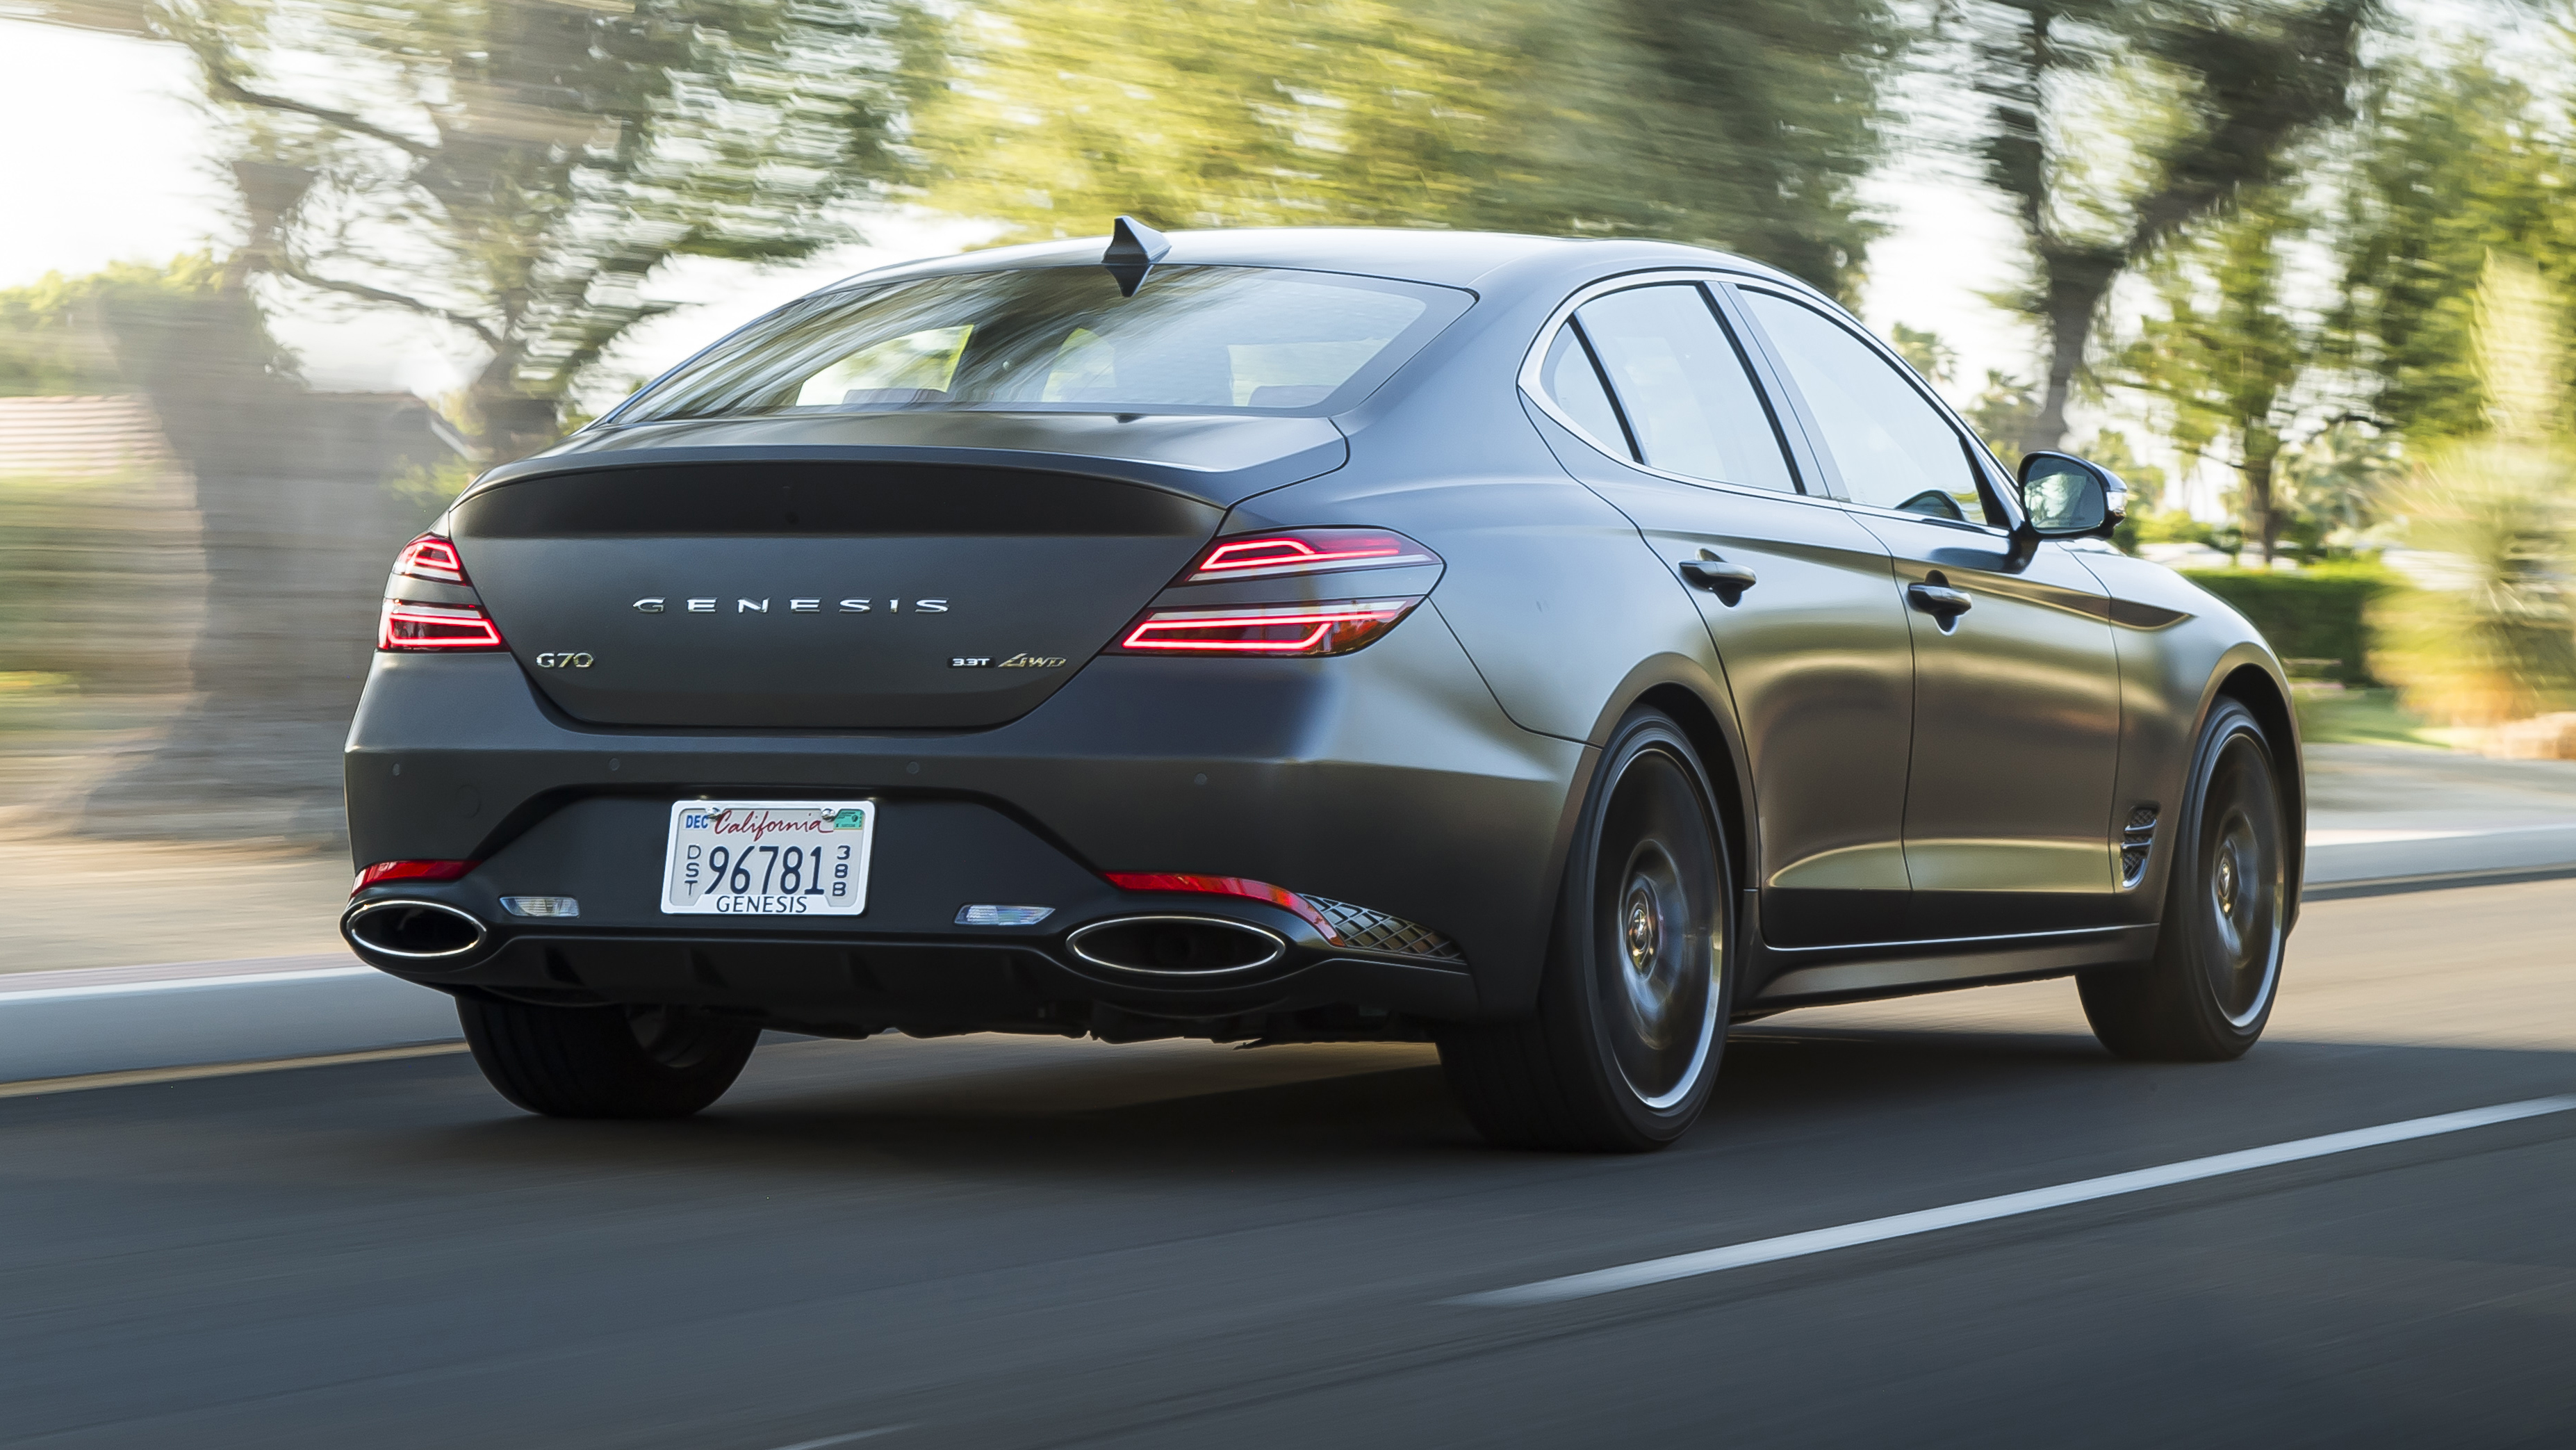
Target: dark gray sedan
<point x="1557" y="650"/>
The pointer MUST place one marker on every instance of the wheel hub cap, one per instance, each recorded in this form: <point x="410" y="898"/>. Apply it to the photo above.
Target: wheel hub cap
<point x="1645" y="929"/>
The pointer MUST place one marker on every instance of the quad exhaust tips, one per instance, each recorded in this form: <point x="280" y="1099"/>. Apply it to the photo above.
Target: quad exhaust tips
<point x="1176" y="945"/>
<point x="412" y="930"/>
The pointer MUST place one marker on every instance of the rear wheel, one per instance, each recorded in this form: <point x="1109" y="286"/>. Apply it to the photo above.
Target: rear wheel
<point x="1633" y="1004"/>
<point x="605" y="1062"/>
<point x="2209" y="992"/>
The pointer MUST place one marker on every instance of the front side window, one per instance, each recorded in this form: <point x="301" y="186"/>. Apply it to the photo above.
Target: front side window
<point x="1683" y="389"/>
<point x="1894" y="448"/>
<point x="1192" y="339"/>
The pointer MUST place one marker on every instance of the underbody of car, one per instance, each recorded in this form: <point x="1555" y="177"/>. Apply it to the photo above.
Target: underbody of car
<point x="1228" y="635"/>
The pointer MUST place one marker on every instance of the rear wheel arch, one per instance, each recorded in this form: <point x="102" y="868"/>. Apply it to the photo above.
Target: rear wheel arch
<point x="1700" y="706"/>
<point x="1700" y="722"/>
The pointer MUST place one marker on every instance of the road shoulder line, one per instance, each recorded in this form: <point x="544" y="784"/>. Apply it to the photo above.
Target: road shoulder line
<point x="1983" y="1210"/>
<point x="138" y="1077"/>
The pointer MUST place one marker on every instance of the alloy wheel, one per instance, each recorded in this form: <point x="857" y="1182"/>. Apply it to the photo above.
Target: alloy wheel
<point x="1661" y="953"/>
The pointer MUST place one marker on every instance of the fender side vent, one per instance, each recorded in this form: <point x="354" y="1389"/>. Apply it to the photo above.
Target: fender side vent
<point x="2137" y="839"/>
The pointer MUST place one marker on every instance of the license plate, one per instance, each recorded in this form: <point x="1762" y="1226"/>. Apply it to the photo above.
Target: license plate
<point x="768" y="858"/>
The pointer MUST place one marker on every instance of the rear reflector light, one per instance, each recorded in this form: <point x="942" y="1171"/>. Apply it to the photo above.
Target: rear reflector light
<point x="1003" y="915"/>
<point x="408" y="626"/>
<point x="385" y="871"/>
<point x="1304" y="551"/>
<point x="431" y="557"/>
<point x="1279" y="896"/>
<point x="1335" y="628"/>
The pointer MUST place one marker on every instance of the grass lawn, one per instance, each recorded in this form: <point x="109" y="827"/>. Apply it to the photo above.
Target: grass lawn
<point x="2364" y="717"/>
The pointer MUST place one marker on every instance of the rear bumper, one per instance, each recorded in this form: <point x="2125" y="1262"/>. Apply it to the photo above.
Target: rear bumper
<point x="1388" y="778"/>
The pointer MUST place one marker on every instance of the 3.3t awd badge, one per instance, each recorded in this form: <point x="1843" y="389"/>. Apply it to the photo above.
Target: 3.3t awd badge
<point x="1015" y="662"/>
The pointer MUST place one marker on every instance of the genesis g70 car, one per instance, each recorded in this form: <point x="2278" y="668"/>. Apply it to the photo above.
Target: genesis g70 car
<point x="1554" y="650"/>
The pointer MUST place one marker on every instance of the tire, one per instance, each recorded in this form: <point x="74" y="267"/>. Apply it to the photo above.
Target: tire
<point x="605" y="1062"/>
<point x="2217" y="968"/>
<point x="1634" y="999"/>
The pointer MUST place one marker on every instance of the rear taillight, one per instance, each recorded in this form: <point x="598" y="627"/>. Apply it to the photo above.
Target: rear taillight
<point x="1304" y="551"/>
<point x="436" y="626"/>
<point x="430" y="605"/>
<point x="1334" y="628"/>
<point x="431" y="557"/>
<point x="387" y="871"/>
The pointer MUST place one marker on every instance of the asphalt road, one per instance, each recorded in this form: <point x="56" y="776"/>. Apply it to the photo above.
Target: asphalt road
<point x="1001" y="1243"/>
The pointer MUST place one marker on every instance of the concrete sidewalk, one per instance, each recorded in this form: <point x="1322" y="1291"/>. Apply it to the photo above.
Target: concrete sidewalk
<point x="2387" y="814"/>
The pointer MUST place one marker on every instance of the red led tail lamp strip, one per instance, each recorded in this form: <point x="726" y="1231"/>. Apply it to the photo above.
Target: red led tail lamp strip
<point x="436" y="627"/>
<point x="1288" y="629"/>
<point x="385" y="871"/>
<point x="1305" y="551"/>
<point x="431" y="557"/>
<point x="413" y="625"/>
<point x="1279" y="896"/>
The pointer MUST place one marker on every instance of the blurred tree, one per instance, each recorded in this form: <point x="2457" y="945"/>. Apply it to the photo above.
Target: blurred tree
<point x="59" y="335"/>
<point x="2499" y="643"/>
<point x="1923" y="348"/>
<point x="2001" y="414"/>
<point x="2334" y="488"/>
<point x="1745" y="124"/>
<point x="2112" y="449"/>
<point x="2225" y="358"/>
<point x="518" y="169"/>
<point x="2454" y="161"/>
<point x="2113" y="127"/>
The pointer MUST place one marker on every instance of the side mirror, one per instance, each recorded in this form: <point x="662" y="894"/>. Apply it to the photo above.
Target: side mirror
<point x="2068" y="498"/>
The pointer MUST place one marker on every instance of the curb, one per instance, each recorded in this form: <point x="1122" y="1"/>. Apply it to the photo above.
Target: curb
<point x="74" y="1024"/>
<point x="2436" y="881"/>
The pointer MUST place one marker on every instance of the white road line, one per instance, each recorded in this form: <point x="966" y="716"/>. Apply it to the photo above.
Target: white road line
<point x="1876" y="1230"/>
<point x="145" y="1076"/>
<point x="180" y="984"/>
<point x="844" y="1439"/>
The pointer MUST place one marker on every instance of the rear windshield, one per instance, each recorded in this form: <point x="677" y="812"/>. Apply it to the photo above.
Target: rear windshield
<point x="1192" y="339"/>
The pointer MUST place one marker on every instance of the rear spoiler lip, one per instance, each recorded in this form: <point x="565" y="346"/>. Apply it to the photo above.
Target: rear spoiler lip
<point x="1216" y="460"/>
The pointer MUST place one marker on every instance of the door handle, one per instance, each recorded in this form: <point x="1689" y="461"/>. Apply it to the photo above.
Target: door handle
<point x="1940" y="601"/>
<point x="1725" y="580"/>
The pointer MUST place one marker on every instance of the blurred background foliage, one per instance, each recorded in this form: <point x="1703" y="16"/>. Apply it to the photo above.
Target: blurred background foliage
<point x="2300" y="270"/>
<point x="1745" y="124"/>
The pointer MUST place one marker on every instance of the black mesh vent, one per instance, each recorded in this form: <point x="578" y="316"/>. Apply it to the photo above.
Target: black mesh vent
<point x="2137" y="838"/>
<point x="1375" y="931"/>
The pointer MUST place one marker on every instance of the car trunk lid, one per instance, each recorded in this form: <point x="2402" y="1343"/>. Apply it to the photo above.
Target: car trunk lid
<point x="895" y="586"/>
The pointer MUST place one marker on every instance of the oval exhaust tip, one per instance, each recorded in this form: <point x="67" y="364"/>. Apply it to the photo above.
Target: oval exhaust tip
<point x="413" y="930"/>
<point x="1176" y="944"/>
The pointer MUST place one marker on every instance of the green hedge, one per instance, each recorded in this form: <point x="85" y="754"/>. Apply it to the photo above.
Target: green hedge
<point x="2317" y="613"/>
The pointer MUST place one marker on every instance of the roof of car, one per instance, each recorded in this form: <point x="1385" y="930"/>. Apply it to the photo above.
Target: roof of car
<point x="1455" y="259"/>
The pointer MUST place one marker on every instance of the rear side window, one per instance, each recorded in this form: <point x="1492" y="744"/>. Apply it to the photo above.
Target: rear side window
<point x="1684" y="390"/>
<point x="1894" y="449"/>
<point x="1192" y="339"/>
<point x="1574" y="385"/>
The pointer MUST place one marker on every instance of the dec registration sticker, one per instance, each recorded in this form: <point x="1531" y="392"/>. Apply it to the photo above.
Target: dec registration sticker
<point x="768" y="858"/>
